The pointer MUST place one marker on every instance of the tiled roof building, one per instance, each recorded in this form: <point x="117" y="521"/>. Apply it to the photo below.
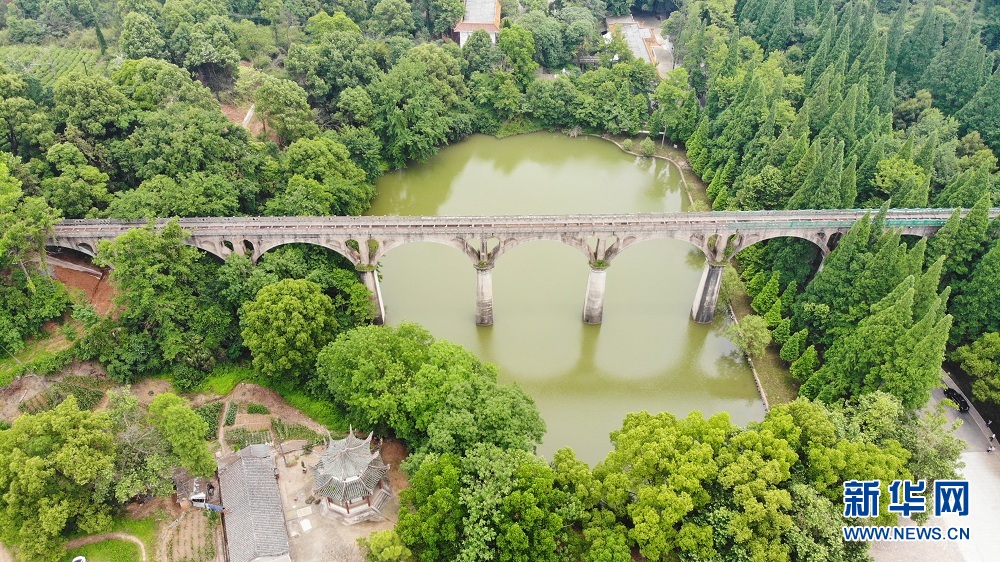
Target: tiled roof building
<point x="253" y="518"/>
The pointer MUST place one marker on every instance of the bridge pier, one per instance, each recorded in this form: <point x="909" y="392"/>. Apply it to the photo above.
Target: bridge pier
<point x="593" y="307"/>
<point x="707" y="297"/>
<point x="370" y="278"/>
<point x="484" y="295"/>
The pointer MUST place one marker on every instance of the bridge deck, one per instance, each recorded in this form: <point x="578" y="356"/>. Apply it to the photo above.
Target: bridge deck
<point x="731" y="220"/>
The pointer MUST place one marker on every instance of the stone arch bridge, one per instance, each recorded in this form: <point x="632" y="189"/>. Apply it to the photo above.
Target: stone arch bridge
<point x="364" y="240"/>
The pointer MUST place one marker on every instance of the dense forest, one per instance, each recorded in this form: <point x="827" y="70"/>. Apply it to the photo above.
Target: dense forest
<point x="115" y="109"/>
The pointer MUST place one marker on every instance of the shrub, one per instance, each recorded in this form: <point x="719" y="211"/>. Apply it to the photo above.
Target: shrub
<point x="210" y="413"/>
<point x="647" y="147"/>
<point x="187" y="378"/>
<point x="231" y="413"/>
<point x="627" y="145"/>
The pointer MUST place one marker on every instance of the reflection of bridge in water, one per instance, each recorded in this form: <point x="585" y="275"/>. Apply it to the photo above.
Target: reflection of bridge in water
<point x="364" y="240"/>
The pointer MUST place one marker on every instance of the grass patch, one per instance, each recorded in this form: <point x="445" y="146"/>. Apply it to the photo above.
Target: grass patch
<point x="321" y="411"/>
<point x="122" y="551"/>
<point x="108" y="551"/>
<point x="43" y="355"/>
<point x="224" y="378"/>
<point x="144" y="529"/>
<point x="779" y="385"/>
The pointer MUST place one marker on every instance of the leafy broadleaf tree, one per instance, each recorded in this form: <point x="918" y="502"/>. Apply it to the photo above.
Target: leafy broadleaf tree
<point x="79" y="189"/>
<point x="169" y="315"/>
<point x="140" y="37"/>
<point x="490" y="504"/>
<point x="286" y="326"/>
<point x="751" y="335"/>
<point x="281" y="103"/>
<point x="184" y="430"/>
<point x="444" y="400"/>
<point x="143" y="463"/>
<point x="56" y="470"/>
<point x="27" y="298"/>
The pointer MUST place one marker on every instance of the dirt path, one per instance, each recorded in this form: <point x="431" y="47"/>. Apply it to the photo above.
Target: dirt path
<point x="75" y="543"/>
<point x="5" y="555"/>
<point x="223" y="446"/>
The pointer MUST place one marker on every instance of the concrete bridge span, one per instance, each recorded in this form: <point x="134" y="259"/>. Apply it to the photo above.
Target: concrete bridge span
<point x="365" y="240"/>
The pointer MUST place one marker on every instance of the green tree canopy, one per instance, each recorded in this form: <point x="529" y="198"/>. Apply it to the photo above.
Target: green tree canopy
<point x="56" y="470"/>
<point x="491" y="504"/>
<point x="27" y="297"/>
<point x="281" y="103"/>
<point x="184" y="430"/>
<point x="286" y="326"/>
<point x="981" y="359"/>
<point x="169" y="315"/>
<point x="443" y="399"/>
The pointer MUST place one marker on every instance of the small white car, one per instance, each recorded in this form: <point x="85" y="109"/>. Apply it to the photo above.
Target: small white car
<point x="80" y="559"/>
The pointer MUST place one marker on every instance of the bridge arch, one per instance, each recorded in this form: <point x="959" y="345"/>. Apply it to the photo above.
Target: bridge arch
<point x="630" y="241"/>
<point x="508" y="244"/>
<point x="821" y="239"/>
<point x="218" y="250"/>
<point x="387" y="245"/>
<point x="88" y="248"/>
<point x="67" y="251"/>
<point x="340" y="249"/>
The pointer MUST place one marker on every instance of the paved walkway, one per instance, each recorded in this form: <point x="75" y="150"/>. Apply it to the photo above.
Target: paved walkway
<point x="982" y="470"/>
<point x="664" y="52"/>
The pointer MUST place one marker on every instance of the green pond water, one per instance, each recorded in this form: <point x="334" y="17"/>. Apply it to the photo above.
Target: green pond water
<point x="647" y="355"/>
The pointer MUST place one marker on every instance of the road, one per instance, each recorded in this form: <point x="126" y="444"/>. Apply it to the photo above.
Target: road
<point x="982" y="470"/>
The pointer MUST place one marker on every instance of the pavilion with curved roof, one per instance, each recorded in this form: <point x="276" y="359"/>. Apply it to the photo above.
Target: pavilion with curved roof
<point x="351" y="477"/>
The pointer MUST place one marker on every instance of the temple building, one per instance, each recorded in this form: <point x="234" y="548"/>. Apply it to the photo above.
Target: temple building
<point x="479" y="14"/>
<point x="351" y="478"/>
<point x="640" y="39"/>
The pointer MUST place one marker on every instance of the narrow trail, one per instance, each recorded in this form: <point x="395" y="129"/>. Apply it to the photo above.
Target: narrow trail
<point x="223" y="447"/>
<point x="5" y="555"/>
<point x="75" y="543"/>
